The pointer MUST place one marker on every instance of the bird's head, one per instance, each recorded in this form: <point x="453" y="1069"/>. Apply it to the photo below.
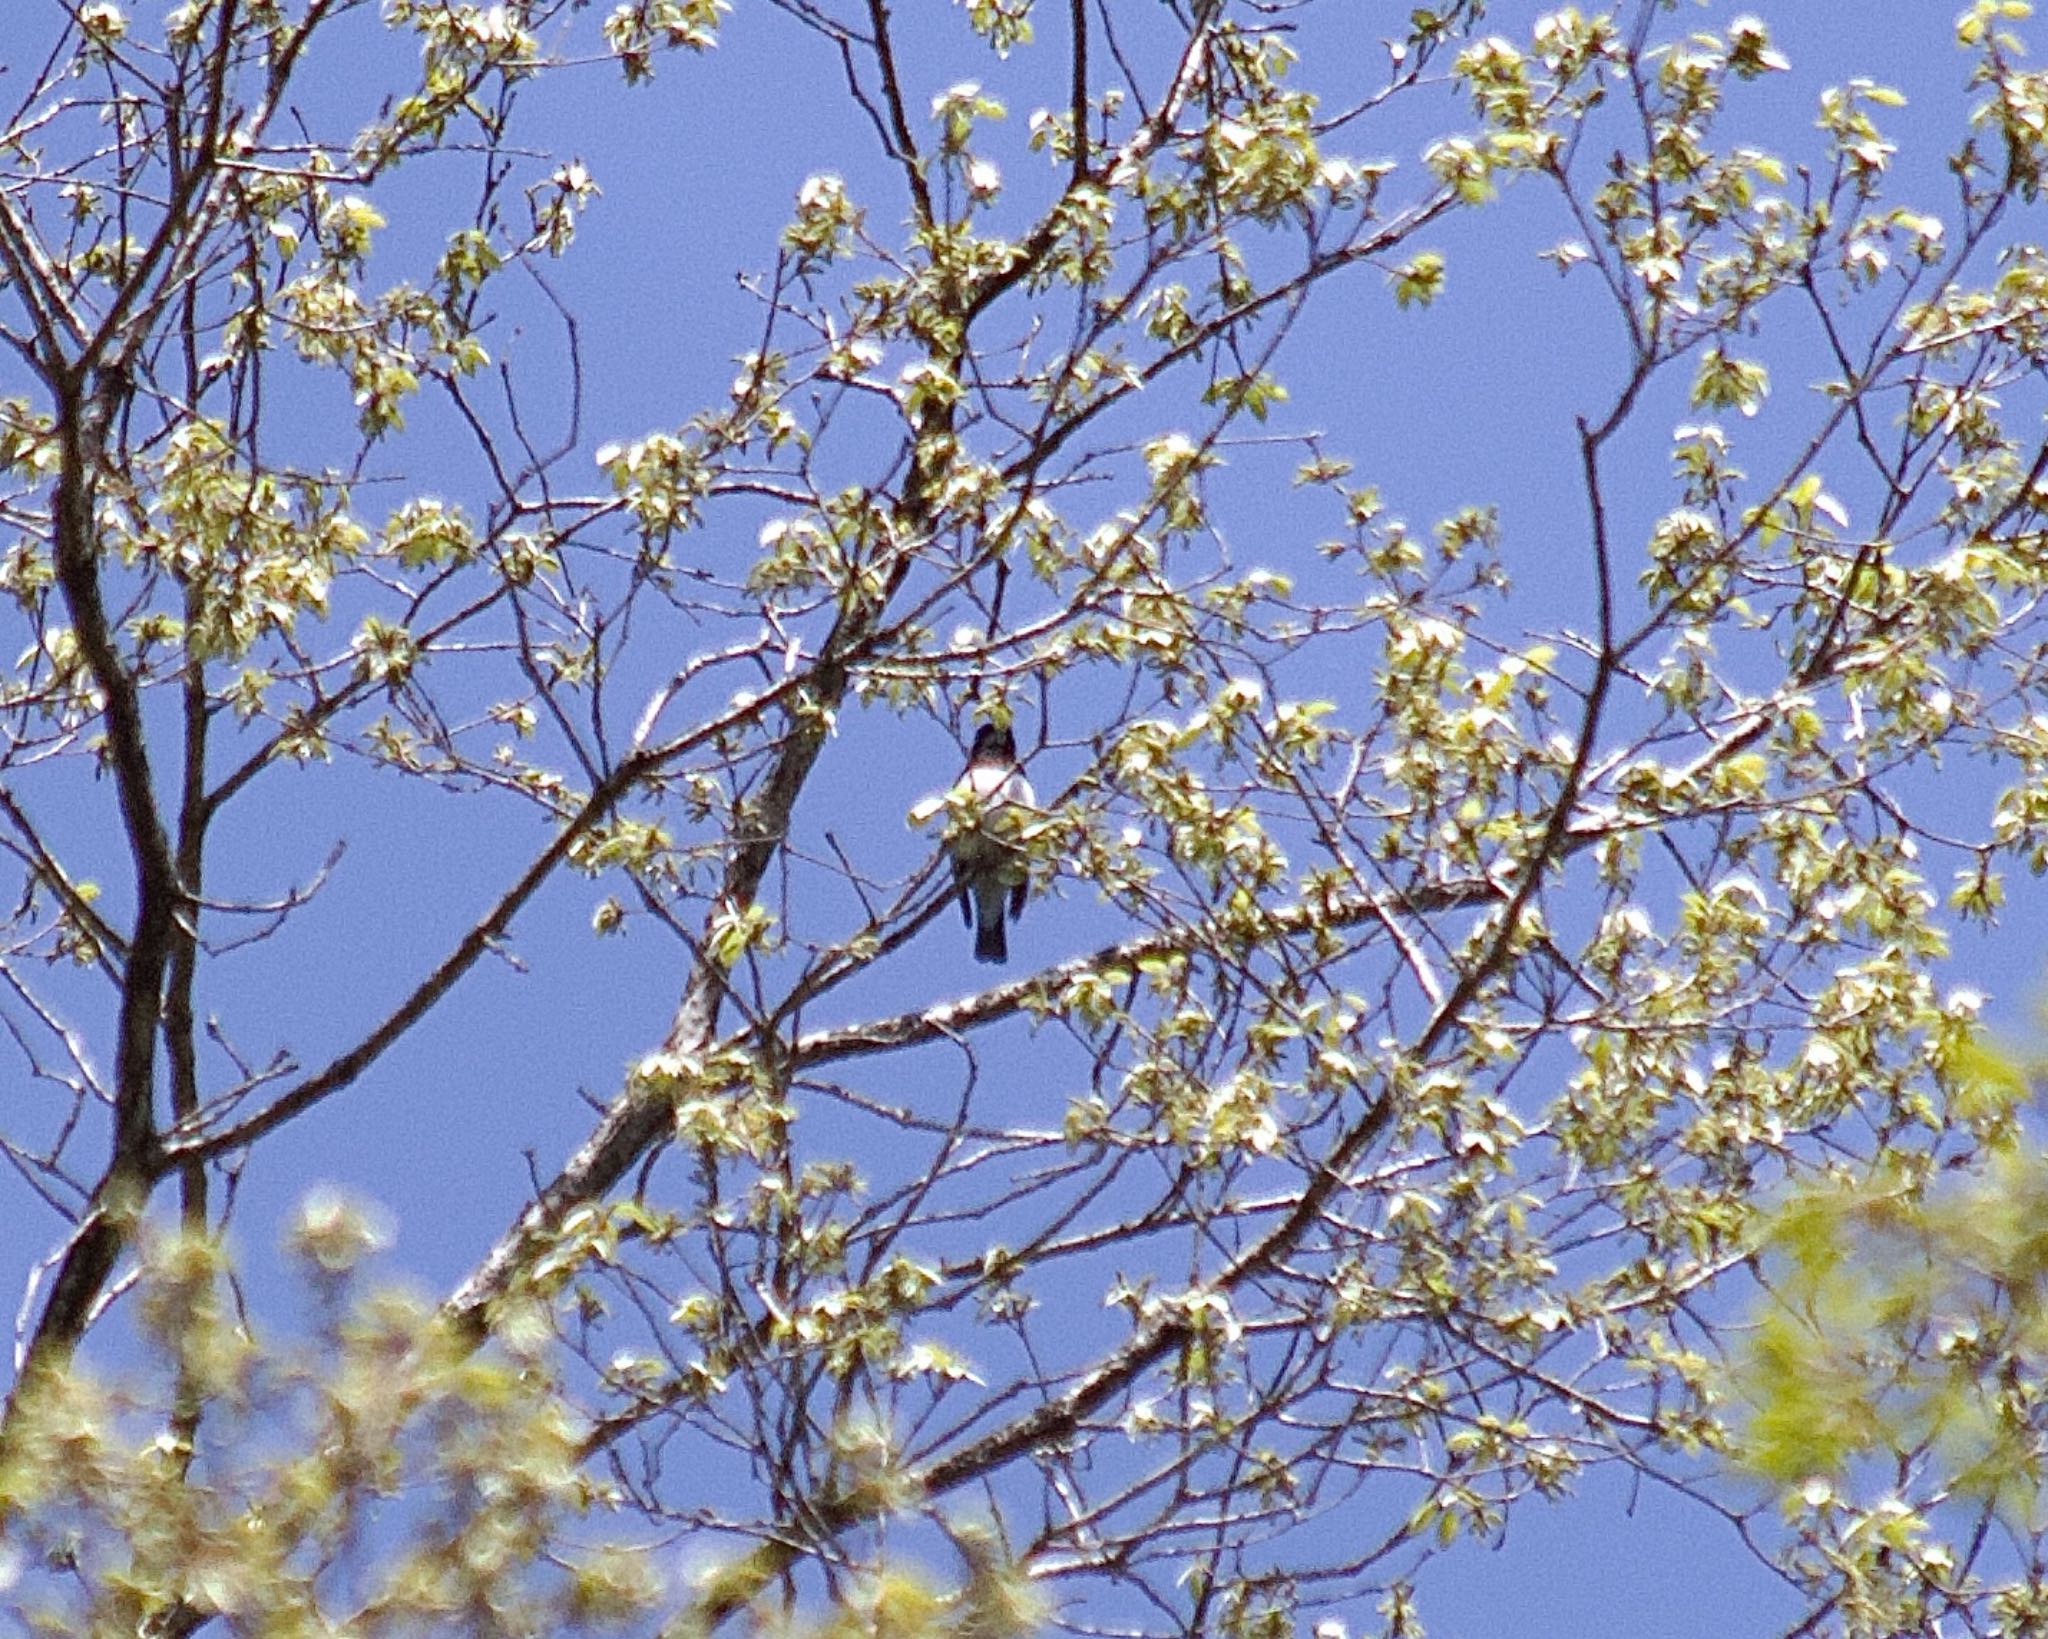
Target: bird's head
<point x="994" y="743"/>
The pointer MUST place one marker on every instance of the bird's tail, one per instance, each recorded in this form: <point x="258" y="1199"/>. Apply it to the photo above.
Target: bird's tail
<point x="991" y="943"/>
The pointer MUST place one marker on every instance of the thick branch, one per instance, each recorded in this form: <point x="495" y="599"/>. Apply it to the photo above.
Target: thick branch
<point x="948" y="1019"/>
<point x="89" y="1260"/>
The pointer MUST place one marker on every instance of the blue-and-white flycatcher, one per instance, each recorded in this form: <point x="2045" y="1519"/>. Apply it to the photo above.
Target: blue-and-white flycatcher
<point x="987" y="865"/>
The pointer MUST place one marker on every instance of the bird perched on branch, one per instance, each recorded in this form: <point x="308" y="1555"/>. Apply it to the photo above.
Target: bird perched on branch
<point x="987" y="863"/>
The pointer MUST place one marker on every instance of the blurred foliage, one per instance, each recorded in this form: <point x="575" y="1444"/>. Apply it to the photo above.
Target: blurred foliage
<point x="1900" y="1350"/>
<point x="375" y="1475"/>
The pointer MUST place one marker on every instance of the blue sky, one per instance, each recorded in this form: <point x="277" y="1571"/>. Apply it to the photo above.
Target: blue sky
<point x="1469" y="401"/>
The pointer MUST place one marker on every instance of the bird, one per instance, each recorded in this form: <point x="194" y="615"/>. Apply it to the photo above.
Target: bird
<point x="988" y="868"/>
